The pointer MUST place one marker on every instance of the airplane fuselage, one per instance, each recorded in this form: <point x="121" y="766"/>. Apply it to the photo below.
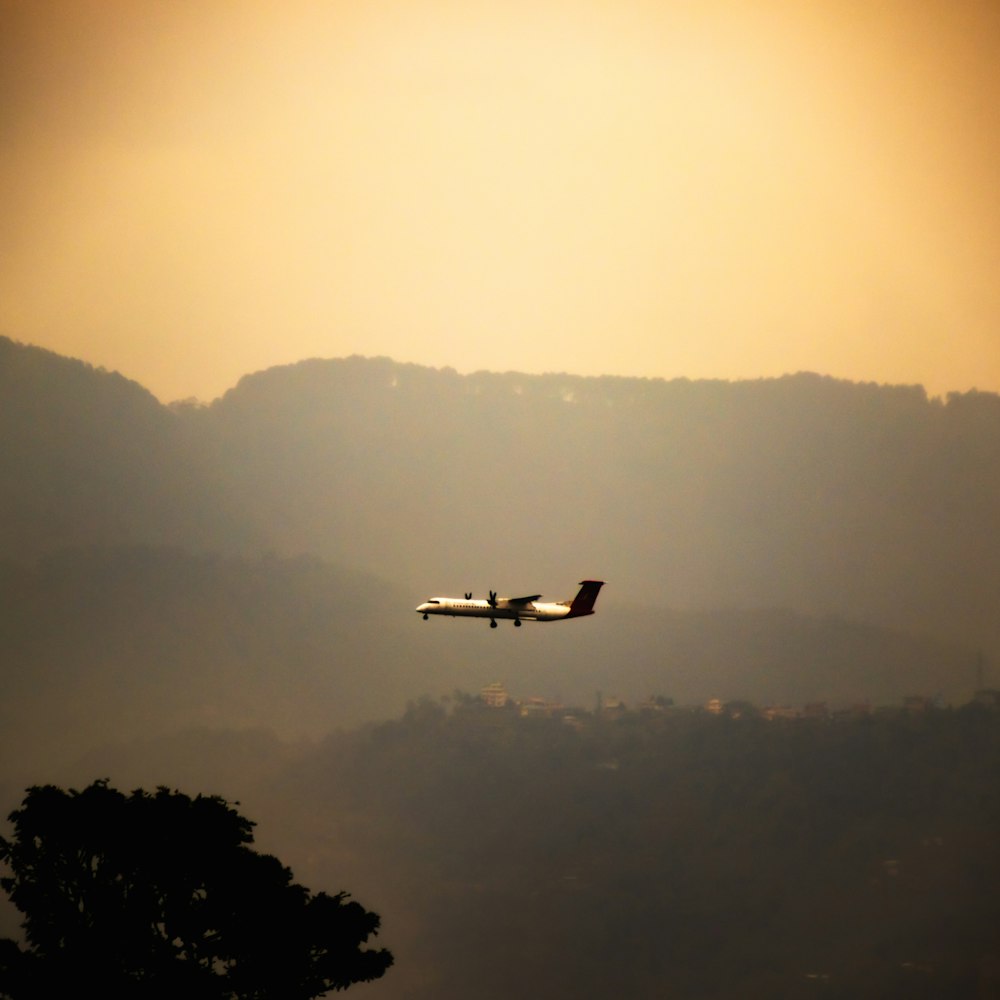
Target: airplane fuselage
<point x="457" y="607"/>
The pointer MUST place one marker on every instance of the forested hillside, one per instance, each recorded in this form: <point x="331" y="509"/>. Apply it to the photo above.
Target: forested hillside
<point x="109" y="643"/>
<point x="669" y="853"/>
<point x="869" y="502"/>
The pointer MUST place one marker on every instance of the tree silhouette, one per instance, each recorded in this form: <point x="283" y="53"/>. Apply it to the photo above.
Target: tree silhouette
<point x="160" y="895"/>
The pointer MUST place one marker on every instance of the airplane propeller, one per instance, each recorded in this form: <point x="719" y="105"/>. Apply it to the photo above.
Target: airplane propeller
<point x="468" y="596"/>
<point x="493" y="599"/>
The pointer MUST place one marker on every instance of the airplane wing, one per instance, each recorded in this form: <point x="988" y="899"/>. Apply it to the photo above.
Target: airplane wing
<point x="523" y="600"/>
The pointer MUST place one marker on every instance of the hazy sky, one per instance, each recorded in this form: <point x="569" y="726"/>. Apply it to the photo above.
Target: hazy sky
<point x="190" y="191"/>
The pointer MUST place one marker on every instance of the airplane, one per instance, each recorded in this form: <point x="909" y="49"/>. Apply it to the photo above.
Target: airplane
<point x="519" y="608"/>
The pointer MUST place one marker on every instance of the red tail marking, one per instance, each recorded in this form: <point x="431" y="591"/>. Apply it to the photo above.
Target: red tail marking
<point x="583" y="603"/>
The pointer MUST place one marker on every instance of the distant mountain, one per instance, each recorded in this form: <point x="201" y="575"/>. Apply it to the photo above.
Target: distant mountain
<point x="862" y="501"/>
<point x="90" y="457"/>
<point x="107" y="645"/>
<point x="255" y="562"/>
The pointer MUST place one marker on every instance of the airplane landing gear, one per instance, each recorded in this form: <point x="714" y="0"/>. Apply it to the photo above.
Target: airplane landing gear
<point x="493" y="623"/>
<point x="517" y="623"/>
<point x="426" y="617"/>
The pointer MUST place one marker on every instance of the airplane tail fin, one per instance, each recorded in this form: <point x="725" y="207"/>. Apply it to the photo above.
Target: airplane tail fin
<point x="583" y="603"/>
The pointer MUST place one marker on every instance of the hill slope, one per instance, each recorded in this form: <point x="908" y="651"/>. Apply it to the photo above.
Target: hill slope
<point x="92" y="458"/>
<point x="110" y="644"/>
<point x="862" y="501"/>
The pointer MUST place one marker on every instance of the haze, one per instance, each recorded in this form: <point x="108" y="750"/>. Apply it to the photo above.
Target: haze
<point x="195" y="191"/>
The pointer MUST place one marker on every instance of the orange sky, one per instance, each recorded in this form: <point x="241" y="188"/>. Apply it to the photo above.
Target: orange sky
<point x="195" y="189"/>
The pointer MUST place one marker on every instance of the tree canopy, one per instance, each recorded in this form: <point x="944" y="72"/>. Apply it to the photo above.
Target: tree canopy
<point x="156" y="895"/>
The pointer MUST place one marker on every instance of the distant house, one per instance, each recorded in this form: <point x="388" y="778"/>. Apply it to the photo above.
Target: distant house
<point x="612" y="707"/>
<point x="773" y="712"/>
<point x="494" y="695"/>
<point x="535" y="707"/>
<point x="654" y="705"/>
